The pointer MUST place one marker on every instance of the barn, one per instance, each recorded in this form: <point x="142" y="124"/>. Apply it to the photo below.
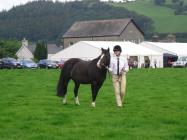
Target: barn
<point x="103" y="30"/>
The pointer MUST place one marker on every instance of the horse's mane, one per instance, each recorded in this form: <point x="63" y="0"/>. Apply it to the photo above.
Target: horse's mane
<point x="96" y="59"/>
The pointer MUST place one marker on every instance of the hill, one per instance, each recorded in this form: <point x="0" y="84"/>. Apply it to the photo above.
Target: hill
<point x="46" y="20"/>
<point x="155" y="107"/>
<point x="165" y="20"/>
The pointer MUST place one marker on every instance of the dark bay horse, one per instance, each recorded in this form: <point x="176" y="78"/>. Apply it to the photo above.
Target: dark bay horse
<point x="84" y="72"/>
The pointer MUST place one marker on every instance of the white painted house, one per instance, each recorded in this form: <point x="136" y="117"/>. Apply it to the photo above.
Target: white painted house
<point x="24" y="52"/>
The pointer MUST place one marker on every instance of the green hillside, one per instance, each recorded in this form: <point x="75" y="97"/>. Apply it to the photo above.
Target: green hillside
<point x="165" y="21"/>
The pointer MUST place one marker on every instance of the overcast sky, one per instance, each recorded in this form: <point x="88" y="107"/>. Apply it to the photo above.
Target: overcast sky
<point x="8" y="4"/>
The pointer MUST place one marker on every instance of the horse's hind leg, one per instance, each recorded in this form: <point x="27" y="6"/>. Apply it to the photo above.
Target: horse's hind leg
<point x="65" y="91"/>
<point x="76" y="93"/>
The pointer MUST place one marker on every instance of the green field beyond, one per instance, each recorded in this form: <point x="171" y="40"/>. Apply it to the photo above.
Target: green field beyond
<point x="155" y="107"/>
<point x="165" y="21"/>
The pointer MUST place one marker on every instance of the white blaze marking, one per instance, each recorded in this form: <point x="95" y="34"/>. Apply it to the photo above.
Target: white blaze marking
<point x="98" y="63"/>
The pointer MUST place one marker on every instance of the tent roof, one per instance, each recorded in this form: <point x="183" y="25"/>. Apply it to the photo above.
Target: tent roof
<point x="128" y="48"/>
<point x="78" y="50"/>
<point x="178" y="48"/>
<point x="92" y="49"/>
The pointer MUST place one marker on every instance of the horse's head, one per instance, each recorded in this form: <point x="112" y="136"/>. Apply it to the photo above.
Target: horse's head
<point x="104" y="60"/>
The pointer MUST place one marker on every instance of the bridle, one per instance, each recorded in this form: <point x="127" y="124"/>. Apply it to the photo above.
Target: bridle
<point x="100" y="66"/>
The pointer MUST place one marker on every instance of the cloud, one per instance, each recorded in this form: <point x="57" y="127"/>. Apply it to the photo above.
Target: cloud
<point x="8" y="4"/>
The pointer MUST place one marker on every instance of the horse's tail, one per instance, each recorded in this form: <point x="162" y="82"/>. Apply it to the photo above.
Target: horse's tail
<point x="60" y="86"/>
<point x="65" y="76"/>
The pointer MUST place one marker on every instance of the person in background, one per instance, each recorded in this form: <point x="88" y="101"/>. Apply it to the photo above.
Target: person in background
<point x="170" y="62"/>
<point x="135" y="64"/>
<point x="155" y="63"/>
<point x="130" y="63"/>
<point x="119" y="68"/>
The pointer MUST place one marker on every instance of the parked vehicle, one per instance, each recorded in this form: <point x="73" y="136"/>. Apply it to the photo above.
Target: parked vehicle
<point x="181" y="62"/>
<point x="44" y="63"/>
<point x="10" y="63"/>
<point x="28" y="63"/>
<point x="61" y="64"/>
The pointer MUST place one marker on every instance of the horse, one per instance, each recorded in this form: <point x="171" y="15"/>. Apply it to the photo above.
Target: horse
<point x="84" y="72"/>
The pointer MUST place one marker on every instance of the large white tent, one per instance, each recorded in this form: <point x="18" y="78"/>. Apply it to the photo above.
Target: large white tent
<point x="179" y="49"/>
<point x="79" y="50"/>
<point x="88" y="50"/>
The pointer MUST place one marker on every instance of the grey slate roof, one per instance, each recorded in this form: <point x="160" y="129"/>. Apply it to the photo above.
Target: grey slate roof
<point x="98" y="28"/>
<point x="32" y="48"/>
<point x="51" y="48"/>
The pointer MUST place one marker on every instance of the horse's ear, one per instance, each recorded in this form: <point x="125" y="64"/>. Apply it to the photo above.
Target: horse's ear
<point x="102" y="50"/>
<point x="108" y="49"/>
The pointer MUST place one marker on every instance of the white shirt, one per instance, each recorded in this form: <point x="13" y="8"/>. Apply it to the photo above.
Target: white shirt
<point x="123" y="64"/>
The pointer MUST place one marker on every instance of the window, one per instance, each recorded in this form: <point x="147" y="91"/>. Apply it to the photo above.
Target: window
<point x="70" y="43"/>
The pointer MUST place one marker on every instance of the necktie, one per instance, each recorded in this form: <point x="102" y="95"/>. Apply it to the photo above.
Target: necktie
<point x="117" y="66"/>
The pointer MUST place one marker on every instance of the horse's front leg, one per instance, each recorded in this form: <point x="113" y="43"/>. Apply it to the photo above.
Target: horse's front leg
<point x="95" y="89"/>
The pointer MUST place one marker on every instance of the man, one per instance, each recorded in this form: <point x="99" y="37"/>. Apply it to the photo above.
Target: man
<point x="119" y="68"/>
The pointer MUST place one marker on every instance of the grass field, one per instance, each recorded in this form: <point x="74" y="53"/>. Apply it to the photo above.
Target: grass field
<point x="165" y="21"/>
<point x="155" y="108"/>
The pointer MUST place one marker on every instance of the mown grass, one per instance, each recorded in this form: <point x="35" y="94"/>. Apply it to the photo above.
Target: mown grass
<point x="155" y="107"/>
<point x="165" y="20"/>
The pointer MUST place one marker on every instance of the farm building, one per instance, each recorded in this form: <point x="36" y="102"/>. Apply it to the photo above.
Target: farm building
<point x="89" y="50"/>
<point x="103" y="30"/>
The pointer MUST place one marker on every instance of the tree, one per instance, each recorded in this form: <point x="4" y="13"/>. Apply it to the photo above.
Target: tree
<point x="8" y="48"/>
<point x="159" y="2"/>
<point x="181" y="3"/>
<point x="174" y="1"/>
<point x="2" y="52"/>
<point x="40" y="51"/>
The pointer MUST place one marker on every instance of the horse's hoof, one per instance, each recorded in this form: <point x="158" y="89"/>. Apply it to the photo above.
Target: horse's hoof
<point x="77" y="101"/>
<point x="93" y="104"/>
<point x="77" y="104"/>
<point x="64" y="100"/>
<point x="64" y="103"/>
